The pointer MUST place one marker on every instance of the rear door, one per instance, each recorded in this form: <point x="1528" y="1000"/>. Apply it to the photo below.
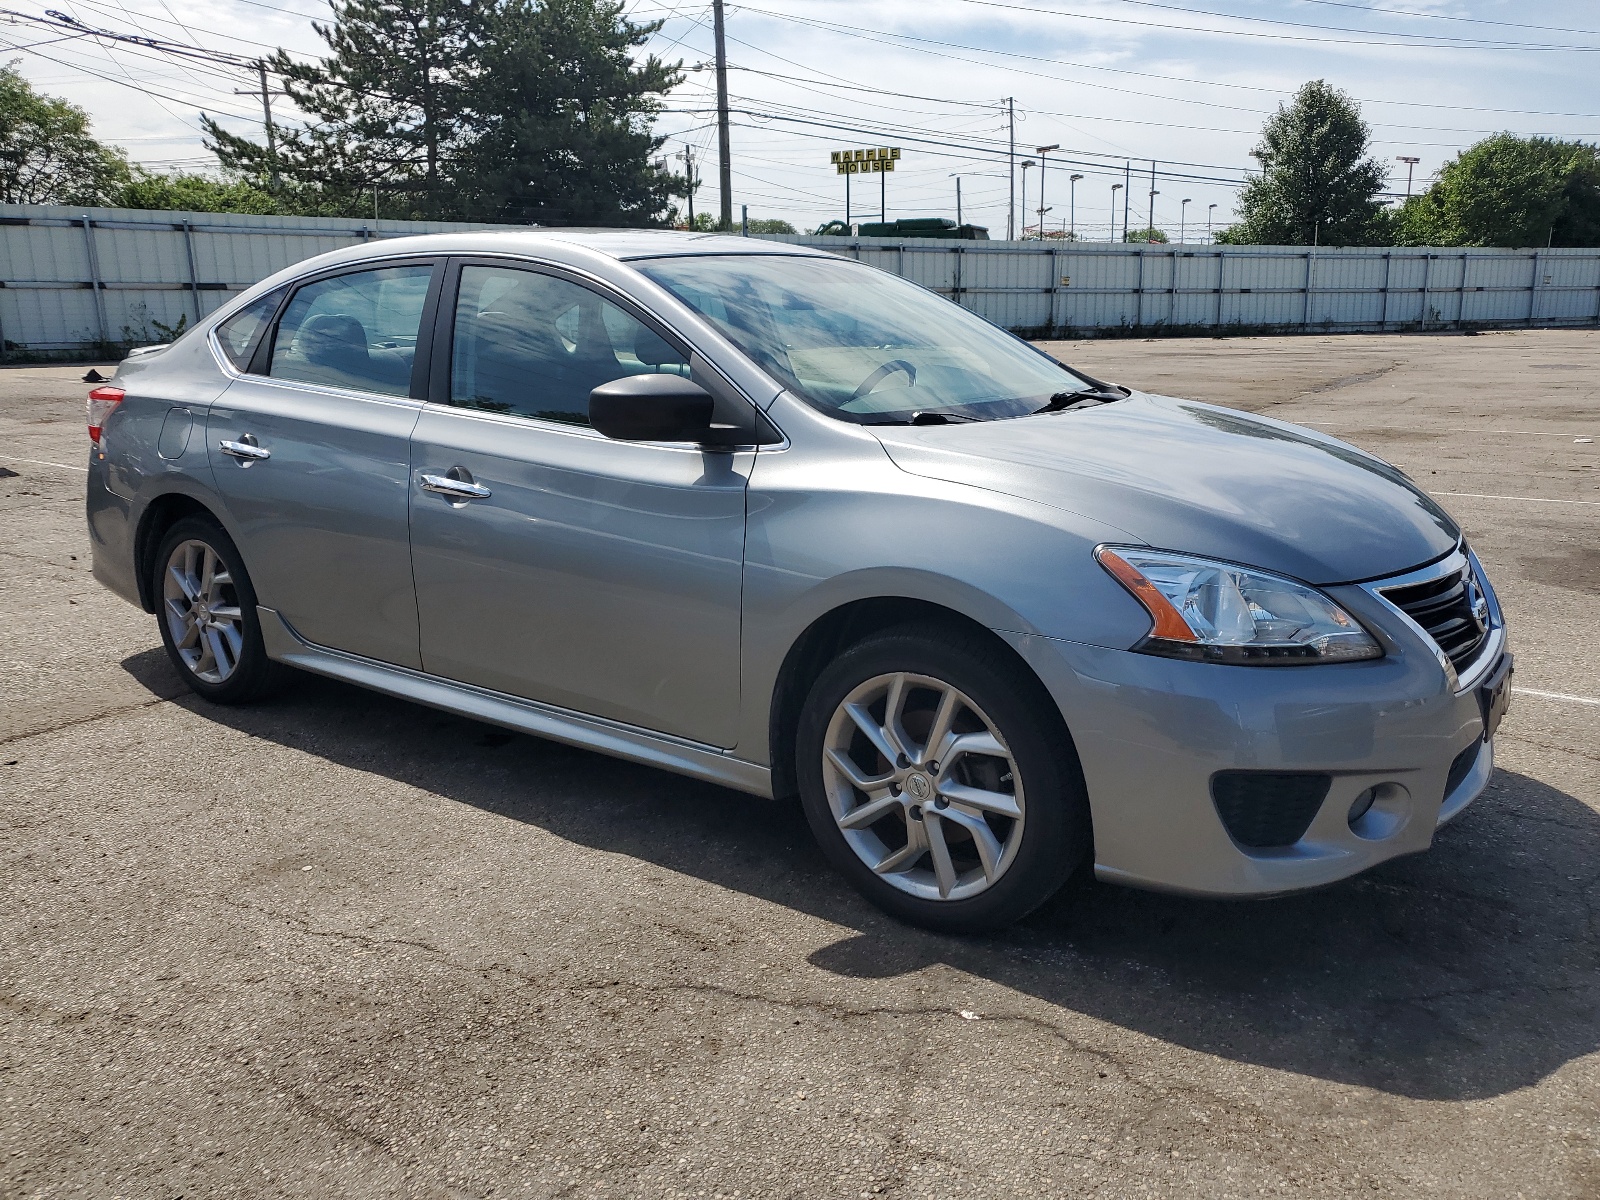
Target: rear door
<point x="310" y="451"/>
<point x="595" y="575"/>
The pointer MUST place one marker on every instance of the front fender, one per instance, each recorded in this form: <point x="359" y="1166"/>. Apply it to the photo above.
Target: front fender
<point x="820" y="539"/>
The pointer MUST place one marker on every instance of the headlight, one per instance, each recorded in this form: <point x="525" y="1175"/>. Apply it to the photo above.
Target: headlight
<point x="1217" y="612"/>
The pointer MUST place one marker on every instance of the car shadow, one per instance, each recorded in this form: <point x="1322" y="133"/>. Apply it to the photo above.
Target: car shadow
<point x="1464" y="973"/>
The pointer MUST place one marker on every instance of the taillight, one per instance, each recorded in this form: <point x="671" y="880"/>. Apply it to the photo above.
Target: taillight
<point x="101" y="403"/>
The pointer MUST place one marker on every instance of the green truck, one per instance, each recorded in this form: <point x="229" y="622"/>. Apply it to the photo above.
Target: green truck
<point x="908" y="227"/>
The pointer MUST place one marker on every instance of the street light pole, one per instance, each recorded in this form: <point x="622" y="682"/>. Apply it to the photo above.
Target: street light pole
<point x="1209" y="209"/>
<point x="1183" y="219"/>
<point x="1072" y="205"/>
<point x="1042" y="151"/>
<point x="1410" y="163"/>
<point x="1115" y="188"/>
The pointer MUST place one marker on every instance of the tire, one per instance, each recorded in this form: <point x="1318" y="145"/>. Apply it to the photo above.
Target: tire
<point x="207" y="616"/>
<point x="869" y="811"/>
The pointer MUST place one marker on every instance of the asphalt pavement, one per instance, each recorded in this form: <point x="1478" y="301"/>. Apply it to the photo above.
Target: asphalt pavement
<point x="340" y="945"/>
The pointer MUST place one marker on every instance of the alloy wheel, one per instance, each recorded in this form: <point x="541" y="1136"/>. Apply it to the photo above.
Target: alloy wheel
<point x="201" y="607"/>
<point x="923" y="786"/>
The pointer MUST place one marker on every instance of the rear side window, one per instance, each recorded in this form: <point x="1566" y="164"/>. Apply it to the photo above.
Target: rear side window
<point x="354" y="331"/>
<point x="533" y="345"/>
<point x="239" y="332"/>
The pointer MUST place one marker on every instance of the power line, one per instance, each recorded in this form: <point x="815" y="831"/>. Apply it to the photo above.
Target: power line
<point x="885" y="37"/>
<point x="1401" y="12"/>
<point x="1420" y="41"/>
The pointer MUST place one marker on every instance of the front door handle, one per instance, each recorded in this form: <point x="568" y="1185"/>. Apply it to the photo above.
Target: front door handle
<point x="246" y="452"/>
<point x="455" y="489"/>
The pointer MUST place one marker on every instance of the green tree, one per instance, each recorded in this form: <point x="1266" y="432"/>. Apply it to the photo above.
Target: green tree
<point x="391" y="107"/>
<point x="1509" y="191"/>
<point x="1318" y="182"/>
<point x="192" y="193"/>
<point x="771" y="225"/>
<point x="1146" y="235"/>
<point x="47" y="154"/>
<point x="570" y="107"/>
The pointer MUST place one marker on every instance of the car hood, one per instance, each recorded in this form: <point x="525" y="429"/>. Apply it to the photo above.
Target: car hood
<point x="1193" y="477"/>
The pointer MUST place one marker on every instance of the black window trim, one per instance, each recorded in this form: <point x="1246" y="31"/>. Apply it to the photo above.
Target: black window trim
<point x="763" y="432"/>
<point x="261" y="357"/>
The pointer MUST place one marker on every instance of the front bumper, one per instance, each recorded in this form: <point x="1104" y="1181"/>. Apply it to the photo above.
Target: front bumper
<point x="1152" y="732"/>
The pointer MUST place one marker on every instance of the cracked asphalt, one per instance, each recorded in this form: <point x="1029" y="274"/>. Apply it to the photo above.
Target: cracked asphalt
<point x="338" y="945"/>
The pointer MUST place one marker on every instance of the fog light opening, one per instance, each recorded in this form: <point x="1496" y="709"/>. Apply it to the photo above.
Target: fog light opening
<point x="1380" y="812"/>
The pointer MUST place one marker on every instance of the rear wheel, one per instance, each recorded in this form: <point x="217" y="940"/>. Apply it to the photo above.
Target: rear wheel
<point x="937" y="777"/>
<point x="206" y="609"/>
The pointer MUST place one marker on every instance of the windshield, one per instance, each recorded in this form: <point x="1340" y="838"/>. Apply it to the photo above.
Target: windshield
<point x="864" y="345"/>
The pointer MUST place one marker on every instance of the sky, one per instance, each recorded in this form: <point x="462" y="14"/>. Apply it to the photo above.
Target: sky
<point x="1115" y="84"/>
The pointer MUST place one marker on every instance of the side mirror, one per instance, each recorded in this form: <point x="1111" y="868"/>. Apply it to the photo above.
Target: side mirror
<point x="652" y="408"/>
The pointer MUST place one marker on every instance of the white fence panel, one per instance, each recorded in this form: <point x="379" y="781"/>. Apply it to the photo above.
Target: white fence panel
<point x="85" y="279"/>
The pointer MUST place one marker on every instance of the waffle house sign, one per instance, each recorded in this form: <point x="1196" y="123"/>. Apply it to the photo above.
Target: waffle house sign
<point x="872" y="161"/>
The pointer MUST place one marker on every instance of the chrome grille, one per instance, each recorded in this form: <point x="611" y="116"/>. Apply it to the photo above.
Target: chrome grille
<point x="1451" y="609"/>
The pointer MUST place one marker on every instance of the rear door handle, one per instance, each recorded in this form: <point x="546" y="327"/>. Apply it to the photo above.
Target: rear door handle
<point x="456" y="489"/>
<point x="244" y="451"/>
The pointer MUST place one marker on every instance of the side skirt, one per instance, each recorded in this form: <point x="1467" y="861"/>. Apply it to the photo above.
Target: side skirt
<point x="526" y="716"/>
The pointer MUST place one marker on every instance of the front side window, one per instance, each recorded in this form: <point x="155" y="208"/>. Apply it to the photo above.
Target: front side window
<point x="237" y="335"/>
<point x="354" y="331"/>
<point x="863" y="345"/>
<point x="533" y="345"/>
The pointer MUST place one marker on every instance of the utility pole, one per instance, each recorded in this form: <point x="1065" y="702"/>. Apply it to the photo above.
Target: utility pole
<point x="1072" y="205"/>
<point x="1210" y="208"/>
<point x="1041" y="151"/>
<point x="958" y="201"/>
<point x="1115" y="188"/>
<point x="1183" y="219"/>
<point x="725" y="164"/>
<point x="1127" y="196"/>
<point x="1023" y="232"/>
<point x="690" y="182"/>
<point x="1011" y="159"/>
<point x="1150" y="229"/>
<point x="266" y="94"/>
<point x="1411" y="164"/>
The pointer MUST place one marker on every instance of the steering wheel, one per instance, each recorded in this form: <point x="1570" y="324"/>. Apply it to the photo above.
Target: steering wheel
<point x="882" y="373"/>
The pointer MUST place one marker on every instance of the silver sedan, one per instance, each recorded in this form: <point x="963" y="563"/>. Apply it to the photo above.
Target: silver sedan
<point x="770" y="518"/>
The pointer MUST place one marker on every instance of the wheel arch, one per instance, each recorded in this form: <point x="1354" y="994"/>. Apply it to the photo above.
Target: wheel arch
<point x="843" y="626"/>
<point x="160" y="515"/>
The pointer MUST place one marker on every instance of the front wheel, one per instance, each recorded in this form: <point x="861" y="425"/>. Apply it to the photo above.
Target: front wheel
<point x="936" y="775"/>
<point x="206" y="608"/>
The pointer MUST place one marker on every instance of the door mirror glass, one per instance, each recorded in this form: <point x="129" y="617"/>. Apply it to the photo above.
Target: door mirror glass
<point x="652" y="408"/>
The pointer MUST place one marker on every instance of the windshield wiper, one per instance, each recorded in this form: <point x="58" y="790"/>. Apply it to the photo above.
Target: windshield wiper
<point x="942" y="418"/>
<point x="1083" y="398"/>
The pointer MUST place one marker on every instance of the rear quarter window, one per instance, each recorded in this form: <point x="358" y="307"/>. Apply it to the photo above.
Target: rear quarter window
<point x="239" y="333"/>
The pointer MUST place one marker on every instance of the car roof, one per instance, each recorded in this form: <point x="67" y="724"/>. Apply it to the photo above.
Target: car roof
<point x="573" y="244"/>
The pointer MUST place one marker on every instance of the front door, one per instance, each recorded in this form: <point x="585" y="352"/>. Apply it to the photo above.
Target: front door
<point x="550" y="562"/>
<point x="311" y="456"/>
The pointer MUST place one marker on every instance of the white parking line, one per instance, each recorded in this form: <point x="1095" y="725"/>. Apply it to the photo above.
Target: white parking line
<point x="1528" y="499"/>
<point x="1517" y="432"/>
<point x="1556" y="696"/>
<point x="39" y="462"/>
